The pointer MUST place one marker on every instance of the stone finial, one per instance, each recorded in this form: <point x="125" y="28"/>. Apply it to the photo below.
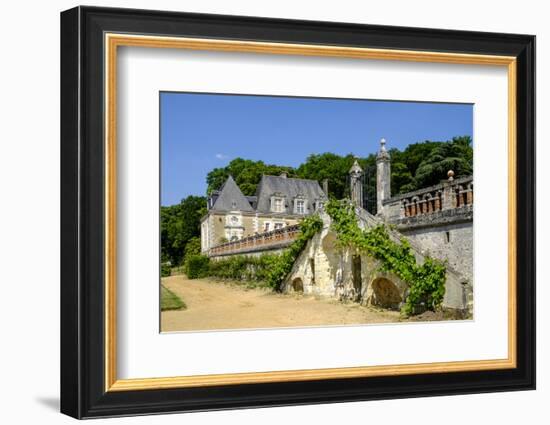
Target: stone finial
<point x="356" y="183"/>
<point x="356" y="169"/>
<point x="382" y="152"/>
<point x="450" y="175"/>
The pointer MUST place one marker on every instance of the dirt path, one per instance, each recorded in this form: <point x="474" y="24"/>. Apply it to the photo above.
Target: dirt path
<point x="215" y="305"/>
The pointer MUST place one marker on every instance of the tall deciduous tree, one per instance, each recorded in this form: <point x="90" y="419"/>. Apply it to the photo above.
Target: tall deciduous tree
<point x="179" y="224"/>
<point x="456" y="155"/>
<point x="247" y="174"/>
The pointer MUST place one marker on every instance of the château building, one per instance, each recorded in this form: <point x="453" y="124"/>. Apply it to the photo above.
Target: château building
<point x="280" y="201"/>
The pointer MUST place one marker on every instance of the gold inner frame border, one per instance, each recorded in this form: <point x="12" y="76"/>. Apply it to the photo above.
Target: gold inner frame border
<point x="112" y="41"/>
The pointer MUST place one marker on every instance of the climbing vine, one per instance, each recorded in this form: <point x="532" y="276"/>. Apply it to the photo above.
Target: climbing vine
<point x="426" y="281"/>
<point x="281" y="265"/>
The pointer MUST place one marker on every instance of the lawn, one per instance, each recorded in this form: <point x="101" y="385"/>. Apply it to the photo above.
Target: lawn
<point x="170" y="301"/>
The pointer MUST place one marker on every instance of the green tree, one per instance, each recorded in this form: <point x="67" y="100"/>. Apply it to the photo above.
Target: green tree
<point x="179" y="224"/>
<point x="456" y="155"/>
<point x="247" y="174"/>
<point x="401" y="178"/>
<point x="334" y="168"/>
<point x="193" y="246"/>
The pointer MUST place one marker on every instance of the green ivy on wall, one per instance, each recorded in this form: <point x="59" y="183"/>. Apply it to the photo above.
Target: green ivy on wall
<point x="426" y="281"/>
<point x="282" y="264"/>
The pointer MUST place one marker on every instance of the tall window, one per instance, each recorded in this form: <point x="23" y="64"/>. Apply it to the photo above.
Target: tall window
<point x="278" y="226"/>
<point x="300" y="206"/>
<point x="266" y="226"/>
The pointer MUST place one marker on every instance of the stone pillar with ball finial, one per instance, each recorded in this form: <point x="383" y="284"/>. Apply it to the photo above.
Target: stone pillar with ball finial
<point x="356" y="184"/>
<point x="449" y="196"/>
<point x="383" y="177"/>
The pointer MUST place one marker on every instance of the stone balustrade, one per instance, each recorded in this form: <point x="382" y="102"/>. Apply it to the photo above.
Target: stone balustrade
<point x="447" y="195"/>
<point x="263" y="241"/>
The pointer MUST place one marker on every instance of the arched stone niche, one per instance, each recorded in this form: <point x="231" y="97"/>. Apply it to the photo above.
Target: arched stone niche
<point x="386" y="291"/>
<point x="297" y="285"/>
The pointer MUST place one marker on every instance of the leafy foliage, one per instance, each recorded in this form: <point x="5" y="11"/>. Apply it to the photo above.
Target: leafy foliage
<point x="180" y="224"/>
<point x="247" y="174"/>
<point x="243" y="268"/>
<point x="165" y="269"/>
<point x="456" y="155"/>
<point x="196" y="266"/>
<point x="425" y="164"/>
<point x="269" y="269"/>
<point x="282" y="264"/>
<point x="329" y="166"/>
<point x="418" y="165"/>
<point x="426" y="281"/>
<point x="193" y="246"/>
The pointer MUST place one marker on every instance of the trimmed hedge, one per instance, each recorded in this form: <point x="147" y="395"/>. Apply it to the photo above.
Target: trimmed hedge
<point x="165" y="269"/>
<point x="196" y="266"/>
<point x="268" y="269"/>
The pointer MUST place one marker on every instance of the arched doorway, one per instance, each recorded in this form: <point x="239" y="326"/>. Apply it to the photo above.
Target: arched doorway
<point x="298" y="285"/>
<point x="386" y="294"/>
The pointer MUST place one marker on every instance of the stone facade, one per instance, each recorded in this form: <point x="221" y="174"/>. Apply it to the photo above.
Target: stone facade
<point x="439" y="219"/>
<point x="279" y="202"/>
<point x="220" y="227"/>
<point x="324" y="270"/>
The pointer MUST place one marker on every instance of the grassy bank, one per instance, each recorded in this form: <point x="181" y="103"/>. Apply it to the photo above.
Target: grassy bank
<point x="169" y="300"/>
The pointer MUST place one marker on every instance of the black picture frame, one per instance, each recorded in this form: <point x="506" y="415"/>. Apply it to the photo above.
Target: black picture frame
<point x="83" y="392"/>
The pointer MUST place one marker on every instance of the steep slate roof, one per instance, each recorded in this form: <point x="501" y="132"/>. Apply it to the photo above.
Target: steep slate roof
<point x="288" y="187"/>
<point x="231" y="198"/>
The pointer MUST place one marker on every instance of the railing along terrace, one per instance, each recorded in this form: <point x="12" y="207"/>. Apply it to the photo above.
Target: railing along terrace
<point x="447" y="195"/>
<point x="258" y="241"/>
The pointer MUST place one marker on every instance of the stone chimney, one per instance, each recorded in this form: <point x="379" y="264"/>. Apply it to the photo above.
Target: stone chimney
<point x="356" y="184"/>
<point x="383" y="176"/>
<point x="325" y="186"/>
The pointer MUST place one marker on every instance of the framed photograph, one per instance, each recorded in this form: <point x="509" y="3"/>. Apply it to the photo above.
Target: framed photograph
<point x="261" y="212"/>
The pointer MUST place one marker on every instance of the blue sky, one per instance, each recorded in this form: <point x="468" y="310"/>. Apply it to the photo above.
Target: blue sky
<point x="200" y="132"/>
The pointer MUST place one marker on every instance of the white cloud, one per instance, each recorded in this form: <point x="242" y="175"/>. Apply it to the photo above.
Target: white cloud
<point x="221" y="156"/>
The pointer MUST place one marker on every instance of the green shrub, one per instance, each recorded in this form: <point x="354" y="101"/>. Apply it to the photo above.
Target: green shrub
<point x="243" y="268"/>
<point x="193" y="246"/>
<point x="268" y="269"/>
<point x="196" y="266"/>
<point x="165" y="269"/>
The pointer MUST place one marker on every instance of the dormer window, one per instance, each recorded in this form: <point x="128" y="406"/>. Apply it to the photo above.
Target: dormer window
<point x="300" y="205"/>
<point x="278" y="204"/>
<point x="319" y="205"/>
